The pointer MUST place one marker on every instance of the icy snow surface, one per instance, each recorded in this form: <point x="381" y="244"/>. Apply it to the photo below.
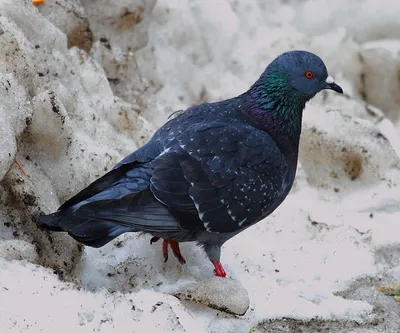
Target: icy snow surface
<point x="83" y="83"/>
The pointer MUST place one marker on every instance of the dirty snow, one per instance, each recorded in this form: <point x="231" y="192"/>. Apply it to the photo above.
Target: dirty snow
<point x="84" y="83"/>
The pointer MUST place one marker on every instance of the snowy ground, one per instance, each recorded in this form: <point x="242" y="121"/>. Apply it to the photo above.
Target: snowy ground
<point x="83" y="83"/>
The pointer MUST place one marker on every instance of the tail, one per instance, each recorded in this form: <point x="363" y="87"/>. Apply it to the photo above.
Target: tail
<point x="89" y="232"/>
<point x="82" y="216"/>
<point x="50" y="222"/>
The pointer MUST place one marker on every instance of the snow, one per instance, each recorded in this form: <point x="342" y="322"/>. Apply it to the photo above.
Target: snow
<point x="85" y="83"/>
<point x="46" y="304"/>
<point x="213" y="293"/>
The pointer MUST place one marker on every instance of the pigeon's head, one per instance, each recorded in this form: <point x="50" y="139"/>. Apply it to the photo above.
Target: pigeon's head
<point x="304" y="71"/>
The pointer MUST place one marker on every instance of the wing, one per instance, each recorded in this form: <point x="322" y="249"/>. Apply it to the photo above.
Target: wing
<point x="222" y="177"/>
<point x="108" y="180"/>
<point x="140" y="211"/>
<point x="214" y="175"/>
<point x="123" y="179"/>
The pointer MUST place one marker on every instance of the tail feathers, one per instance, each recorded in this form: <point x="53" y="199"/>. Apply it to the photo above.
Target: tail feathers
<point x="50" y="222"/>
<point x="99" y="233"/>
<point x="89" y="232"/>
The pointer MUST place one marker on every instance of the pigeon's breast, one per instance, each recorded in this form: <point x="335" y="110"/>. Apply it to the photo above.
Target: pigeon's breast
<point x="275" y="184"/>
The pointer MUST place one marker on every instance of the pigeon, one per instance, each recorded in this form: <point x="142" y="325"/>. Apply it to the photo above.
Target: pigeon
<point x="208" y="173"/>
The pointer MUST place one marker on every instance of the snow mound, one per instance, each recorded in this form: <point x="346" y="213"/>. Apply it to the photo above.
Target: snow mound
<point x="84" y="83"/>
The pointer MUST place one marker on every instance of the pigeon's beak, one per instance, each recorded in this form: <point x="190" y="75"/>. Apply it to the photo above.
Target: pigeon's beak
<point x="330" y="84"/>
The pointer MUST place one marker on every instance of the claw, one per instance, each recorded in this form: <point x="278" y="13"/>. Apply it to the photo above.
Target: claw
<point x="165" y="250"/>
<point x="154" y="239"/>
<point x="174" y="247"/>
<point x="177" y="252"/>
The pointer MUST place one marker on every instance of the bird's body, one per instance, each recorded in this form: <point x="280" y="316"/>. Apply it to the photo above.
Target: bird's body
<point x="205" y="175"/>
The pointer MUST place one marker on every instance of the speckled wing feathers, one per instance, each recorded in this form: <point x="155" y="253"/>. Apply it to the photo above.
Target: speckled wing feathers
<point x="101" y="184"/>
<point x="233" y="176"/>
<point x="138" y="210"/>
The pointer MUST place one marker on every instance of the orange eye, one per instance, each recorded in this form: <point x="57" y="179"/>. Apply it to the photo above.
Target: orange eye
<point x="309" y="75"/>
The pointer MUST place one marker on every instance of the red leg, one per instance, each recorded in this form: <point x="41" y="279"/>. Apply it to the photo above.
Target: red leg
<point x="174" y="247"/>
<point x="176" y="251"/>
<point x="219" y="270"/>
<point x="165" y="250"/>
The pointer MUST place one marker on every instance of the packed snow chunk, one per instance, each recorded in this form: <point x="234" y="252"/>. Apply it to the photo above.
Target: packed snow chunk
<point x="226" y="295"/>
<point x="8" y="147"/>
<point x="223" y="19"/>
<point x="358" y="109"/>
<point x="364" y="19"/>
<point x="121" y="46"/>
<point x="32" y="26"/>
<point x="125" y="21"/>
<point x="15" y="249"/>
<point x="348" y="107"/>
<point x="288" y="325"/>
<point x="50" y="126"/>
<point x="70" y="18"/>
<point x="15" y="109"/>
<point x="337" y="161"/>
<point x="17" y="57"/>
<point x="64" y="308"/>
<point x="22" y="202"/>
<point x="164" y="312"/>
<point x="126" y="118"/>
<point x="381" y="85"/>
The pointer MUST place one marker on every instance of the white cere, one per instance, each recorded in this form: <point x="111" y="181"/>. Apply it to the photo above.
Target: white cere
<point x="329" y="80"/>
